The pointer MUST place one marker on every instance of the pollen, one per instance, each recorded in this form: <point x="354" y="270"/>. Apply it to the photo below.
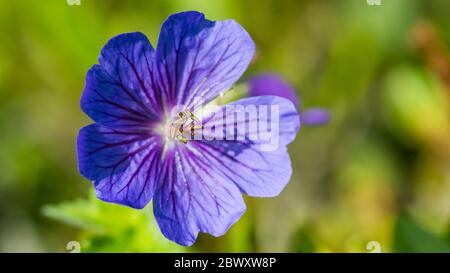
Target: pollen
<point x="183" y="127"/>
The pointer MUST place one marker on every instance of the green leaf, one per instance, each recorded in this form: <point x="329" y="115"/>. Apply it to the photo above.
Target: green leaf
<point x="409" y="237"/>
<point x="303" y="241"/>
<point x="112" y="228"/>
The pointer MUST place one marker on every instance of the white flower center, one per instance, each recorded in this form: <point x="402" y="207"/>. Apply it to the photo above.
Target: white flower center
<point x="182" y="127"/>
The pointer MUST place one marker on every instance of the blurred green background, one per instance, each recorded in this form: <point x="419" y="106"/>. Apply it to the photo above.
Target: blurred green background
<point x="378" y="172"/>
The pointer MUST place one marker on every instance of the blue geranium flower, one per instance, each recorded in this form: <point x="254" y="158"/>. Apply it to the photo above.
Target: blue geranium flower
<point x="138" y="150"/>
<point x="273" y="85"/>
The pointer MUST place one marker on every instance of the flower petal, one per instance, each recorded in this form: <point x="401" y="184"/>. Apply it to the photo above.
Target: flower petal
<point x="120" y="91"/>
<point x="315" y="116"/>
<point x="193" y="197"/>
<point x="272" y="85"/>
<point x="197" y="58"/>
<point x="278" y="114"/>
<point x="257" y="171"/>
<point x="122" y="164"/>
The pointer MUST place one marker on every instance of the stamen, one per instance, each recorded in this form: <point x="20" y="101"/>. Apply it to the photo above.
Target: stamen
<point x="186" y="122"/>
